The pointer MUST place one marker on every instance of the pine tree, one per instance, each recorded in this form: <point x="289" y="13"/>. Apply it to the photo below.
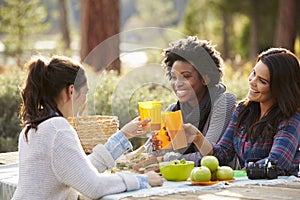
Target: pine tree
<point x="19" y="20"/>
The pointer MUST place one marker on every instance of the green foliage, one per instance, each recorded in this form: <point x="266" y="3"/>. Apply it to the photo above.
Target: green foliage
<point x="243" y="42"/>
<point x="195" y="17"/>
<point x="8" y="144"/>
<point x="19" y="20"/>
<point x="158" y="14"/>
<point x="206" y="19"/>
<point x="101" y="91"/>
<point x="9" y="108"/>
<point x="236" y="80"/>
<point x="109" y="94"/>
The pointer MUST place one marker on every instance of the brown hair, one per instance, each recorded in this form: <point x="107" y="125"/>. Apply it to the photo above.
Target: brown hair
<point x="284" y="71"/>
<point x="45" y="80"/>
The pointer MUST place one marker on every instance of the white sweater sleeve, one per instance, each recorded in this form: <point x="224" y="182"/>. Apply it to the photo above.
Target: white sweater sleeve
<point x="73" y="168"/>
<point x="103" y="156"/>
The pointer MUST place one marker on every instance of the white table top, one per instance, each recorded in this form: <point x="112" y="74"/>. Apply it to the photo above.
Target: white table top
<point x="9" y="180"/>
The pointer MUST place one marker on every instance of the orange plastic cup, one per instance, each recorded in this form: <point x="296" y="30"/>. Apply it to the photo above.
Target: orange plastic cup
<point x="151" y="109"/>
<point x="162" y="134"/>
<point x="174" y="127"/>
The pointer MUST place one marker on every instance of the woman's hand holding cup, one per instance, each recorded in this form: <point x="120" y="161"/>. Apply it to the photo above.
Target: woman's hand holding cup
<point x="134" y="128"/>
<point x="156" y="139"/>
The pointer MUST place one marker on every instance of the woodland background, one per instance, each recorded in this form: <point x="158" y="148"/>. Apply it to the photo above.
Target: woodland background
<point x="139" y="30"/>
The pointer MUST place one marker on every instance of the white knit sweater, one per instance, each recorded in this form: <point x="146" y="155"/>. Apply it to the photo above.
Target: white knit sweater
<point x="52" y="162"/>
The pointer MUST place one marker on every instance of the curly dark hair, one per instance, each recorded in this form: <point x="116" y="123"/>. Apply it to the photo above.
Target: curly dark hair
<point x="200" y="53"/>
<point x="284" y="72"/>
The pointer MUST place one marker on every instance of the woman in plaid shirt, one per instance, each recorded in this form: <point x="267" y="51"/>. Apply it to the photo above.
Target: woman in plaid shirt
<point x="266" y="125"/>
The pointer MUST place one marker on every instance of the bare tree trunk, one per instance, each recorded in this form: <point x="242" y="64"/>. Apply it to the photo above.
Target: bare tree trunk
<point x="254" y="30"/>
<point x="287" y="24"/>
<point x="64" y="23"/>
<point x="100" y="24"/>
<point x="225" y="34"/>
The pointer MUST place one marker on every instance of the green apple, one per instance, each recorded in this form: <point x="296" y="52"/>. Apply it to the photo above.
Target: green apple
<point x="211" y="162"/>
<point x="224" y="173"/>
<point x="200" y="174"/>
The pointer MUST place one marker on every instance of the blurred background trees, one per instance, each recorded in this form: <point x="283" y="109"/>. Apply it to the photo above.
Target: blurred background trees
<point x="241" y="29"/>
<point x="286" y="30"/>
<point x="64" y="23"/>
<point x="244" y="27"/>
<point x="100" y="20"/>
<point x="20" y="20"/>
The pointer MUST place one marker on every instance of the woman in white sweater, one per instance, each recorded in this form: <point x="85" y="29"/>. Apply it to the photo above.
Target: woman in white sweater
<point x="52" y="162"/>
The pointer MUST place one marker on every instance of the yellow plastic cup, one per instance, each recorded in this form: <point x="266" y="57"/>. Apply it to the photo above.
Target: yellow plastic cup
<point x="151" y="109"/>
<point x="174" y="126"/>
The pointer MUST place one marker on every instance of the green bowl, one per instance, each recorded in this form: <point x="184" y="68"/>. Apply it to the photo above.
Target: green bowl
<point x="176" y="172"/>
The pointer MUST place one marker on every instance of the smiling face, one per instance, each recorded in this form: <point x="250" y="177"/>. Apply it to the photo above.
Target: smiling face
<point x="259" y="81"/>
<point x="186" y="83"/>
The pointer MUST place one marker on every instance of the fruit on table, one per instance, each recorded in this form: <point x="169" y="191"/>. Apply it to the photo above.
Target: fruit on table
<point x="214" y="176"/>
<point x="224" y="173"/>
<point x="217" y="173"/>
<point x="176" y="170"/>
<point x="211" y="162"/>
<point x="176" y="162"/>
<point x="201" y="174"/>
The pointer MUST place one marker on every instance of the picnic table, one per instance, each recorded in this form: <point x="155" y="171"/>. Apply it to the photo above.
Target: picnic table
<point x="285" y="187"/>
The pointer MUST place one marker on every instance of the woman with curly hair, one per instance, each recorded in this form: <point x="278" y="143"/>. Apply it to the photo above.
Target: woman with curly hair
<point x="194" y="68"/>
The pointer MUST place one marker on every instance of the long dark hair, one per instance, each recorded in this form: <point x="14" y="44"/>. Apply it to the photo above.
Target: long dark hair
<point x="284" y="71"/>
<point x="45" y="80"/>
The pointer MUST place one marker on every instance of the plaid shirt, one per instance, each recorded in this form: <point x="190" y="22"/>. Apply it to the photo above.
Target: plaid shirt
<point x="284" y="148"/>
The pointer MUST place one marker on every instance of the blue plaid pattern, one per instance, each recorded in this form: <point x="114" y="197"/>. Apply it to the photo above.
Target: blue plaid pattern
<point x="284" y="148"/>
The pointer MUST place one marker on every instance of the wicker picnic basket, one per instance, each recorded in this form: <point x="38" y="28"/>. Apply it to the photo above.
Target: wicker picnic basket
<point x="93" y="130"/>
